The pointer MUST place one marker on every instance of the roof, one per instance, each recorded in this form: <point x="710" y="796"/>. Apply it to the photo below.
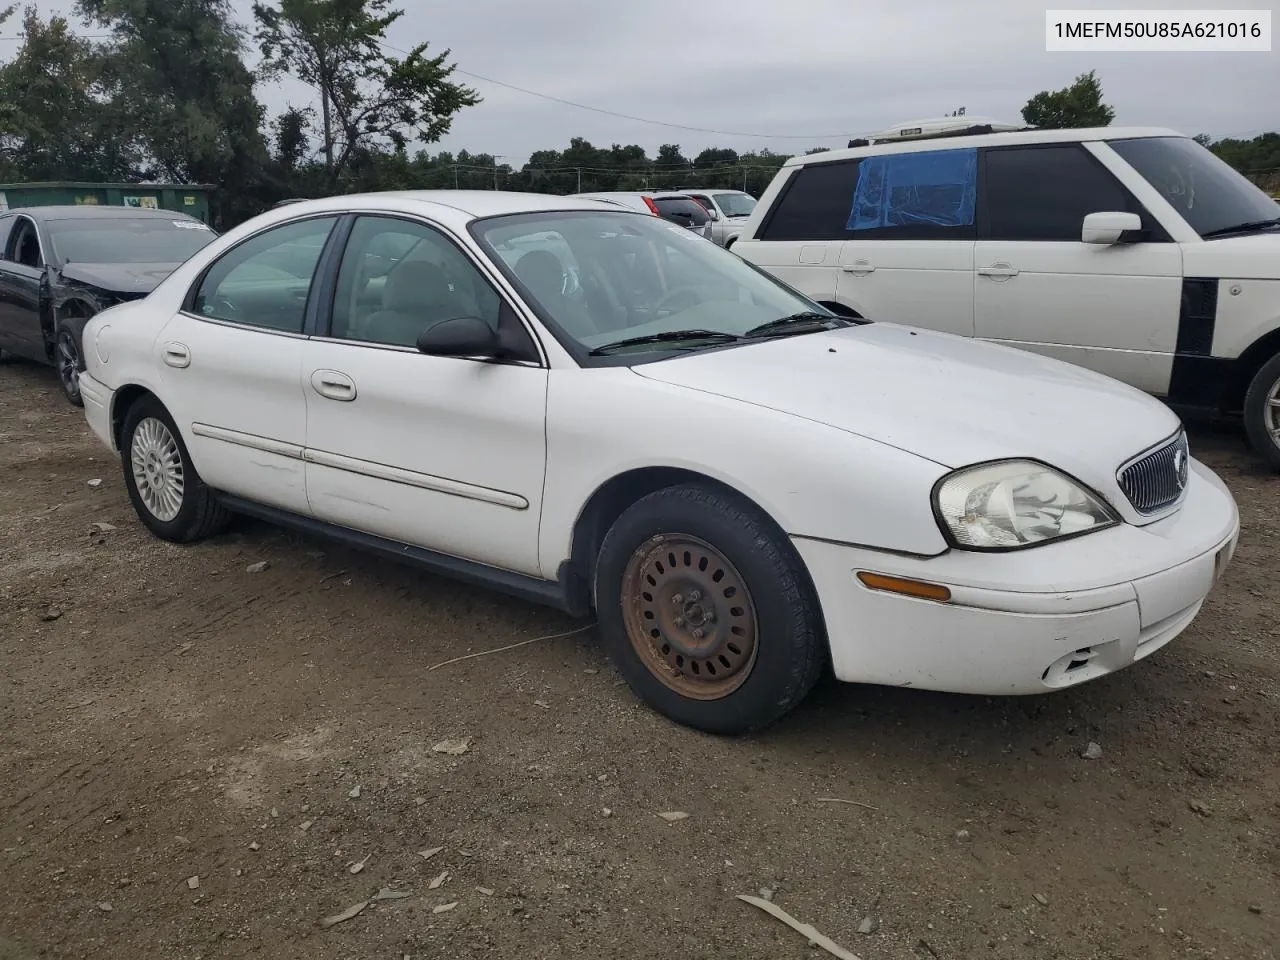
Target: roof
<point x="985" y="140"/>
<point x="93" y="211"/>
<point x="474" y="203"/>
<point x="86" y="185"/>
<point x="632" y="193"/>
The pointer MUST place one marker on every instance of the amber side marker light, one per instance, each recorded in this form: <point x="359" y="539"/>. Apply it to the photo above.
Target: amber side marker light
<point x="908" y="588"/>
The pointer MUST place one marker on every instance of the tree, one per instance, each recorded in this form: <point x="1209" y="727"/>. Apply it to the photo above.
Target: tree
<point x="1079" y="105"/>
<point x="366" y="96"/>
<point x="58" y="118"/>
<point x="183" y="80"/>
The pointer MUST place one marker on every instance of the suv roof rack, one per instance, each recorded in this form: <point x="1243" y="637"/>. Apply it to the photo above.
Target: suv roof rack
<point x="939" y="127"/>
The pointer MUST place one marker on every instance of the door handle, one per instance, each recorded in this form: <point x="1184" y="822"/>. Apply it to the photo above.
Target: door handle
<point x="177" y="355"/>
<point x="333" y="385"/>
<point x="999" y="270"/>
<point x="859" y="267"/>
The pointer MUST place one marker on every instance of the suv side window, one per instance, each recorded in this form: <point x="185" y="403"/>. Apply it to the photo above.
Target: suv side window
<point x="814" y="204"/>
<point x="893" y="196"/>
<point x="1044" y="192"/>
<point x="265" y="281"/>
<point x="393" y="299"/>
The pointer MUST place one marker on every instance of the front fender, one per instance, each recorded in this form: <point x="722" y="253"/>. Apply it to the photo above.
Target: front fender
<point x="813" y="480"/>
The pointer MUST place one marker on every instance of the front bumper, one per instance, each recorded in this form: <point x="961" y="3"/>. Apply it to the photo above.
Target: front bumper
<point x="1027" y="621"/>
<point x="97" y="399"/>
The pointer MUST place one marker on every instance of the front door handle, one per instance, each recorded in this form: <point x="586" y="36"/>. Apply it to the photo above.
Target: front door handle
<point x="859" y="267"/>
<point x="333" y="385"/>
<point x="998" y="270"/>
<point x="176" y="354"/>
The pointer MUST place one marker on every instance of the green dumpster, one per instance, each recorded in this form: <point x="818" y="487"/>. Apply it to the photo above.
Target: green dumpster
<point x="189" y="198"/>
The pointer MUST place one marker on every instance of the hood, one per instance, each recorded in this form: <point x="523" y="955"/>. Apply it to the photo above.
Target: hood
<point x="120" y="277"/>
<point x="945" y="398"/>
<point x="1255" y="256"/>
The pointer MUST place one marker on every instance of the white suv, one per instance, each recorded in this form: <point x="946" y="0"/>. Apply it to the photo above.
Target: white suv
<point x="1133" y="252"/>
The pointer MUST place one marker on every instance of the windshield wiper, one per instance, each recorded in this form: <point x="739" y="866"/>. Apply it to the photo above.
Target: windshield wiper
<point x="1242" y="227"/>
<point x="671" y="336"/>
<point x="805" y="322"/>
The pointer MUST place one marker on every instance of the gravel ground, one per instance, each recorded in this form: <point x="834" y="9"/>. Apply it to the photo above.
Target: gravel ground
<point x="201" y="761"/>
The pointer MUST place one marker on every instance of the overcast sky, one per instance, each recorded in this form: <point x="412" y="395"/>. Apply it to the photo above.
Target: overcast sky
<point x="805" y="72"/>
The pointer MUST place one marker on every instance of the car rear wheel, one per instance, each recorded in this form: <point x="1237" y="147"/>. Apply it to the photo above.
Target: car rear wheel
<point x="167" y="492"/>
<point x="1262" y="412"/>
<point x="707" y="611"/>
<point x="68" y="357"/>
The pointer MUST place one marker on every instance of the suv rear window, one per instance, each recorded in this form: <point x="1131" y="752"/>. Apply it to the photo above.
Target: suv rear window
<point x="684" y="208"/>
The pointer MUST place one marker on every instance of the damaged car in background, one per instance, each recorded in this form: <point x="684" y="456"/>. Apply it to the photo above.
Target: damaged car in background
<point x="61" y="265"/>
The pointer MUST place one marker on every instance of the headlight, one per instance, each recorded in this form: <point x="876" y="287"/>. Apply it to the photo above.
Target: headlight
<point x="1016" y="503"/>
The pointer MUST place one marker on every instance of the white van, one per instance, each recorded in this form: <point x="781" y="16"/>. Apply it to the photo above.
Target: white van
<point x="1132" y="251"/>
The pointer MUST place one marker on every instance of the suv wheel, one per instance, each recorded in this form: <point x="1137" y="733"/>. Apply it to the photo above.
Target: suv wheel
<point x="707" y="611"/>
<point x="1262" y="412"/>
<point x="167" y="493"/>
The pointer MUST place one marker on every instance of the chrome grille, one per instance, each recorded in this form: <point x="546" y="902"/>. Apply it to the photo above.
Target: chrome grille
<point x="1155" y="479"/>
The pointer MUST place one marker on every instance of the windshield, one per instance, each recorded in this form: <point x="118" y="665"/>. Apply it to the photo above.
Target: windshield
<point x="736" y="204"/>
<point x="1208" y="193"/>
<point x="600" y="278"/>
<point x="128" y="239"/>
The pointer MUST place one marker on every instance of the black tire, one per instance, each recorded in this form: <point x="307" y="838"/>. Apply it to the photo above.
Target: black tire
<point x="1259" y="420"/>
<point x="199" y="514"/>
<point x="68" y="356"/>
<point x="789" y="651"/>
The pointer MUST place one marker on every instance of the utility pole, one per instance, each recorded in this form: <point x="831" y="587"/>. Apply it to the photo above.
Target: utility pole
<point x="579" y="179"/>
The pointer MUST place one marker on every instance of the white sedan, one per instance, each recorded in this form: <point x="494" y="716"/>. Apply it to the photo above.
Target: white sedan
<point x="595" y="409"/>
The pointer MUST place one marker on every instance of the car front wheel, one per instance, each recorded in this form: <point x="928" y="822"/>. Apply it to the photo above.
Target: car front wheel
<point x="68" y="337"/>
<point x="707" y="611"/>
<point x="166" y="491"/>
<point x="1262" y="412"/>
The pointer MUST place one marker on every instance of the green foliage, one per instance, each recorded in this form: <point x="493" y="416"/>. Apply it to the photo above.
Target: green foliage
<point x="60" y="117"/>
<point x="169" y="96"/>
<point x="1258" y="159"/>
<point x="183" y="82"/>
<point x="1079" y="105"/>
<point x="367" y="97"/>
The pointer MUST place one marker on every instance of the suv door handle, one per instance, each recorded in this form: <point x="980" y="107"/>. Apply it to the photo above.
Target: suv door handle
<point x="333" y="385"/>
<point x="859" y="267"/>
<point x="177" y="355"/>
<point x="998" y="269"/>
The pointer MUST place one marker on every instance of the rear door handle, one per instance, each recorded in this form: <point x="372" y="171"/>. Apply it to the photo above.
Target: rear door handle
<point x="999" y="269"/>
<point x="859" y="267"/>
<point x="177" y="355"/>
<point x="333" y="385"/>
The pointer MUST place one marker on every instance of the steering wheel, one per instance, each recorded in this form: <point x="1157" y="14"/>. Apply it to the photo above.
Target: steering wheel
<point x="680" y="298"/>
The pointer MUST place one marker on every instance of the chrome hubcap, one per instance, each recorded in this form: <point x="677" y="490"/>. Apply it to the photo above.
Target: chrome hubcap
<point x="157" y="469"/>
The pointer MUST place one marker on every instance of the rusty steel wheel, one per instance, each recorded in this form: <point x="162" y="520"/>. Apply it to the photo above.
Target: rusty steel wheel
<point x="689" y="616"/>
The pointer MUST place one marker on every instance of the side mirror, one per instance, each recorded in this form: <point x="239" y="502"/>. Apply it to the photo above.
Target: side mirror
<point x="460" y="337"/>
<point x="1109" y="227"/>
<point x="713" y="214"/>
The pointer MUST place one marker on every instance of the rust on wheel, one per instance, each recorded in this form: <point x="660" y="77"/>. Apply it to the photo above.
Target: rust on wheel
<point x="689" y="616"/>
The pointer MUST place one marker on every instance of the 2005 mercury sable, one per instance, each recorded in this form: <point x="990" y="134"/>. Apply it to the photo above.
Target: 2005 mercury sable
<point x="596" y="409"/>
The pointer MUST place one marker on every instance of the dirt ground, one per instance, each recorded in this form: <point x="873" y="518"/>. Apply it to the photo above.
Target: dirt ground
<point x="165" y="714"/>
